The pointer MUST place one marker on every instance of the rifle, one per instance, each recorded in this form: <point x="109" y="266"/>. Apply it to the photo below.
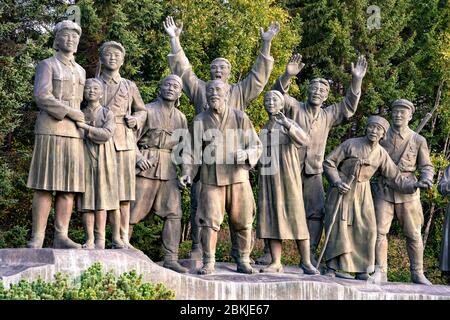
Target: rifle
<point x="418" y="129"/>
<point x="430" y="114"/>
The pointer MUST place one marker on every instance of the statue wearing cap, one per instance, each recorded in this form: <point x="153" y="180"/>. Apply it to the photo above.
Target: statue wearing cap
<point x="351" y="247"/>
<point x="239" y="95"/>
<point x="410" y="153"/>
<point x="157" y="189"/>
<point x="317" y="121"/>
<point x="57" y="164"/>
<point x="122" y="97"/>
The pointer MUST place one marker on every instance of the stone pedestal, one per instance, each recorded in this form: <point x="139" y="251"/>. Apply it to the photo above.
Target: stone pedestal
<point x="225" y="284"/>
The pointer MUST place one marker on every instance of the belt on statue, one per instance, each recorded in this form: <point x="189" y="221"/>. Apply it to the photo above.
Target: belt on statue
<point x="147" y="147"/>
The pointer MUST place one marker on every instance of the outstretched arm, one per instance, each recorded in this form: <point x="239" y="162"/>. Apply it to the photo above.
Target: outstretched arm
<point x="174" y="33"/>
<point x="179" y="65"/>
<point x="347" y="107"/>
<point x="293" y="67"/>
<point x="249" y="88"/>
<point x="267" y="37"/>
<point x="358" y="73"/>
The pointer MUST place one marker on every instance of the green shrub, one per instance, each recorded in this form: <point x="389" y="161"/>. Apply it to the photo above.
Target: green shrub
<point x="93" y="284"/>
<point x="16" y="237"/>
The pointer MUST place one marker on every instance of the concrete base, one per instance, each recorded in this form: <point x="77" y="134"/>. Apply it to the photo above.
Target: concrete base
<point x="225" y="284"/>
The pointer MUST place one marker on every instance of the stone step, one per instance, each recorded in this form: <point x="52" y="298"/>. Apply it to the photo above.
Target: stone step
<point x="225" y="284"/>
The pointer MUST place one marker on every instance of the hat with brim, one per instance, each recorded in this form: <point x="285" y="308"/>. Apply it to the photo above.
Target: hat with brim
<point x="113" y="44"/>
<point x="67" y="24"/>
<point x="404" y="103"/>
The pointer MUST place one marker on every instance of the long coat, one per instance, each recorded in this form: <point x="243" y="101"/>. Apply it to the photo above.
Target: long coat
<point x="444" y="189"/>
<point x="281" y="212"/>
<point x="352" y="241"/>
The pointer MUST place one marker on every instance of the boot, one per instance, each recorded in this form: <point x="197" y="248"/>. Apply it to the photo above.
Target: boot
<point x="171" y="235"/>
<point x="273" y="268"/>
<point x="117" y="244"/>
<point x="415" y="253"/>
<point x="175" y="266"/>
<point x="419" y="278"/>
<point x="114" y="218"/>
<point x="89" y="224"/>
<point x="209" y="241"/>
<point x="245" y="267"/>
<point x="64" y="205"/>
<point x="88" y="245"/>
<point x="62" y="241"/>
<point x="36" y="242"/>
<point x="315" y="227"/>
<point x="243" y="242"/>
<point x="208" y="268"/>
<point x="42" y="202"/>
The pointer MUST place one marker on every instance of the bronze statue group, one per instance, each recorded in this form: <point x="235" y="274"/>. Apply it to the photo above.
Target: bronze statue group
<point x="118" y="157"/>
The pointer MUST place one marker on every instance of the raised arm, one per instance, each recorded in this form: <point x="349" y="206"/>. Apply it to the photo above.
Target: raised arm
<point x="293" y="67"/>
<point x="347" y="107"/>
<point x="253" y="84"/>
<point x="358" y="73"/>
<point x="267" y="37"/>
<point x="179" y="64"/>
<point x="174" y="33"/>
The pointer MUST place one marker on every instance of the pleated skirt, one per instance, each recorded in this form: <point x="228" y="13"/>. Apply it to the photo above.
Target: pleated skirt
<point x="57" y="164"/>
